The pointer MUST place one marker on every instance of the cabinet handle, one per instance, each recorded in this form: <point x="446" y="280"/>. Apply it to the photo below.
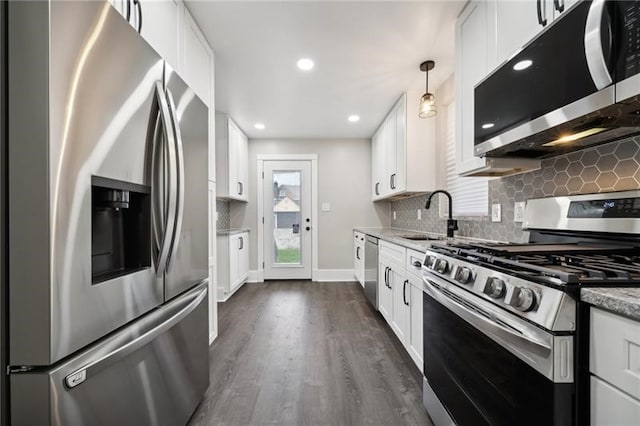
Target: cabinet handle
<point x="541" y="21"/>
<point x="404" y="292"/>
<point x="417" y="264"/>
<point x="377" y="188"/>
<point x="358" y="252"/>
<point x="240" y="188"/>
<point x="138" y="5"/>
<point x="559" y="5"/>
<point x="386" y="276"/>
<point x="128" y="10"/>
<point x="389" y="279"/>
<point x="241" y="242"/>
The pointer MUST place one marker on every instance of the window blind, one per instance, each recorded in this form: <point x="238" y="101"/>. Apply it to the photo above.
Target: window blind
<point x="470" y="194"/>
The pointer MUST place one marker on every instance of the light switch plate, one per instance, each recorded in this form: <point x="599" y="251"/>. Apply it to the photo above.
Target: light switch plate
<point x="326" y="207"/>
<point x="394" y="215"/>
<point x="419" y="214"/>
<point x="496" y="212"/>
<point x="518" y="211"/>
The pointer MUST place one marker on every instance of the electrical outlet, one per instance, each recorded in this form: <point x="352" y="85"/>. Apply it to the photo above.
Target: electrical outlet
<point x="326" y="207"/>
<point x="518" y="211"/>
<point x="496" y="213"/>
<point x="394" y="215"/>
<point x="419" y="214"/>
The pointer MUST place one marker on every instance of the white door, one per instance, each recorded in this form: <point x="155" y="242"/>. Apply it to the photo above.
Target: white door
<point x="287" y="219"/>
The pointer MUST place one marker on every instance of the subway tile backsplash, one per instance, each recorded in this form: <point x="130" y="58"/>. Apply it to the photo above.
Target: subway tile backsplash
<point x="610" y="167"/>
<point x="224" y="215"/>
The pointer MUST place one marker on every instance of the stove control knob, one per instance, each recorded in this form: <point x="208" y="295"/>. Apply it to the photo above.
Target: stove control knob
<point x="428" y="261"/>
<point x="463" y="275"/>
<point x="494" y="288"/>
<point x="441" y="266"/>
<point x="522" y="298"/>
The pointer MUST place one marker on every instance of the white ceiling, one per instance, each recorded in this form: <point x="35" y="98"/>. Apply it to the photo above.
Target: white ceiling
<point x="366" y="55"/>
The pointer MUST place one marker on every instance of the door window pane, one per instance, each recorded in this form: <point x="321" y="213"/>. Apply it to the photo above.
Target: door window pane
<point x="286" y="217"/>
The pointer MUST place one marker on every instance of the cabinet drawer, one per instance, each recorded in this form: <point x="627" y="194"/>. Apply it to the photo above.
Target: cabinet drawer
<point x="615" y="350"/>
<point x="609" y="406"/>
<point x="412" y="257"/>
<point x="393" y="252"/>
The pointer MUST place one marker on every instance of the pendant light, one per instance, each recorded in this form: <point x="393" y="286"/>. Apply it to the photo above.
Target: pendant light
<point x="428" y="100"/>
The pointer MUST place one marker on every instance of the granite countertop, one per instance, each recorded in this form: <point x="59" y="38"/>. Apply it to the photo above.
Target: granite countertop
<point x="623" y="301"/>
<point x="222" y="232"/>
<point x="395" y="235"/>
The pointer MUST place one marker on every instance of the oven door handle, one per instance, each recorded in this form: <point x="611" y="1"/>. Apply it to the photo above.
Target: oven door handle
<point x="471" y="314"/>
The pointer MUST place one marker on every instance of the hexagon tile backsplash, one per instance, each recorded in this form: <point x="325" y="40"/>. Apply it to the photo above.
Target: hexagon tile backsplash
<point x="224" y="215"/>
<point x="611" y="167"/>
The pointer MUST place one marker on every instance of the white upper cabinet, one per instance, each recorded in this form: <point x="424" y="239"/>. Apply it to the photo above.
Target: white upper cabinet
<point x="475" y="55"/>
<point x="197" y="59"/>
<point x="160" y="28"/>
<point x="517" y="22"/>
<point x="403" y="153"/>
<point x="232" y="159"/>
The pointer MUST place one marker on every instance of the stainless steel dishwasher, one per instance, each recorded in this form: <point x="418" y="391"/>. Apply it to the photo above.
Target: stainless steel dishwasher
<point x="371" y="270"/>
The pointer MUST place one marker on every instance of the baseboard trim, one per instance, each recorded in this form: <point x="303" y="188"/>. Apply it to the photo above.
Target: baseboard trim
<point x="256" y="276"/>
<point x="328" y="275"/>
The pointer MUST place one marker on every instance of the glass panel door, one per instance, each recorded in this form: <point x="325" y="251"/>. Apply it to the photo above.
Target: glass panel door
<point x="287" y="219"/>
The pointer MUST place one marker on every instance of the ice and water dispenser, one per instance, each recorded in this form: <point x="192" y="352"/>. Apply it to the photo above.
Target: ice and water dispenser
<point x="120" y="228"/>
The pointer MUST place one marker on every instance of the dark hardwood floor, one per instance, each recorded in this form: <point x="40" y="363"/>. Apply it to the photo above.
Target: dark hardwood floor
<point x="303" y="353"/>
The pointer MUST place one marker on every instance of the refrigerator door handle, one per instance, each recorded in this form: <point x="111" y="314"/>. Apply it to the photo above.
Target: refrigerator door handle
<point x="179" y="176"/>
<point x="187" y="304"/>
<point x="169" y="198"/>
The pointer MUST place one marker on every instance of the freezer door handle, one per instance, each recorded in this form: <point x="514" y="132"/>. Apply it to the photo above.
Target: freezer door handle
<point x="179" y="178"/>
<point x="140" y="335"/>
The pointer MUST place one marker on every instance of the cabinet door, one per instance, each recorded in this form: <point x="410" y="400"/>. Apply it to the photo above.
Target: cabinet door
<point x="473" y="55"/>
<point x="357" y="256"/>
<point x="197" y="59"/>
<point x="385" y="295"/>
<point x="243" y="166"/>
<point x="400" y="142"/>
<point x="610" y="406"/>
<point x="234" y="261"/>
<point x="517" y="23"/>
<point x="377" y="165"/>
<point x="234" y="141"/>
<point x="243" y="257"/>
<point x="415" y="346"/>
<point x="160" y="29"/>
<point x="391" y="157"/>
<point x="401" y="295"/>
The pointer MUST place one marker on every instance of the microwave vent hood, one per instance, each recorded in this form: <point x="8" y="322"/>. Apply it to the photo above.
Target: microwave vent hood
<point x="575" y="85"/>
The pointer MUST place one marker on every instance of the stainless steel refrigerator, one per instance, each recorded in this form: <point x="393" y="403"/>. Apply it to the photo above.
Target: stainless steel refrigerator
<point x="107" y="164"/>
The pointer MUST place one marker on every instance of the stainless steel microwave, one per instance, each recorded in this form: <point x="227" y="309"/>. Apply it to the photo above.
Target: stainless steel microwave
<point x="576" y="85"/>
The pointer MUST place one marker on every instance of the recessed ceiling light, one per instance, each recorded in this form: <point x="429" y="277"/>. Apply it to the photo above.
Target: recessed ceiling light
<point x="487" y="125"/>
<point x="354" y="118"/>
<point x="259" y="126"/>
<point x="523" y="65"/>
<point x="305" y="64"/>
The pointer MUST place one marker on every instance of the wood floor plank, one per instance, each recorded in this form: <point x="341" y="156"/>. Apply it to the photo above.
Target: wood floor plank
<point x="304" y="353"/>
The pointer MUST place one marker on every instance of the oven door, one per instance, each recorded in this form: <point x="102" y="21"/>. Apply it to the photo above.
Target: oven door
<point x="488" y="367"/>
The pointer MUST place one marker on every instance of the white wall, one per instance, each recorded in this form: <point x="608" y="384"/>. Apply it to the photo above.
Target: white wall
<point x="344" y="180"/>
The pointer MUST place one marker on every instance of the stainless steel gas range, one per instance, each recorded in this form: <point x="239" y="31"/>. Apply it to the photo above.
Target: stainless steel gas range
<point x="505" y="336"/>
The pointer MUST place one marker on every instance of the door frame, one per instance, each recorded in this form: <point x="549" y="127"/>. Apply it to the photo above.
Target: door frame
<point x="261" y="158"/>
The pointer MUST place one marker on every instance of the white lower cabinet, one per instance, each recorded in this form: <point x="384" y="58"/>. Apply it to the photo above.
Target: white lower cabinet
<point x="358" y="256"/>
<point x="233" y="263"/>
<point x="400" y="296"/>
<point x="385" y="291"/>
<point x="614" y="362"/>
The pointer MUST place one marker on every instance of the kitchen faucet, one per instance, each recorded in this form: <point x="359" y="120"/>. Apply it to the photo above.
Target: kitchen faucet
<point x="452" y="225"/>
